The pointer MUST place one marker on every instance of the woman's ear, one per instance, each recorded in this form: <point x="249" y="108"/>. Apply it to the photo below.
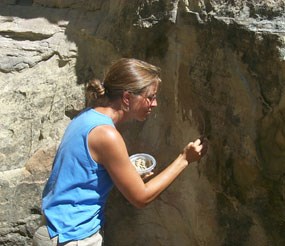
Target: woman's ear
<point x="126" y="100"/>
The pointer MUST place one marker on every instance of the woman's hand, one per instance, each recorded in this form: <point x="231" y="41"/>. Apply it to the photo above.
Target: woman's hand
<point x="194" y="151"/>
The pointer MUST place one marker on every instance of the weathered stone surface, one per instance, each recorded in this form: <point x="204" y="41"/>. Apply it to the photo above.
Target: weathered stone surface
<point x="223" y="76"/>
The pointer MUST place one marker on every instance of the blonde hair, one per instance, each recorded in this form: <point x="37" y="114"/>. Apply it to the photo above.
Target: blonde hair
<point x="124" y="75"/>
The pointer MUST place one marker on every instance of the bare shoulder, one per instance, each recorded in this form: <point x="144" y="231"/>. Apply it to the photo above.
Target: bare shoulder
<point x="105" y="139"/>
<point x="104" y="136"/>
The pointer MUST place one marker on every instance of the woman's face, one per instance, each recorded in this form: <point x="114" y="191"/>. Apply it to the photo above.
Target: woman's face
<point x="141" y="105"/>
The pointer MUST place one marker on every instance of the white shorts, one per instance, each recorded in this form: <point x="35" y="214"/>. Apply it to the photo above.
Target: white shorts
<point x="42" y="238"/>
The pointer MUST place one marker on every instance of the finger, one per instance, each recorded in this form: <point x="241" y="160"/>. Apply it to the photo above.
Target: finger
<point x="199" y="148"/>
<point x="194" y="146"/>
<point x="189" y="145"/>
<point x="197" y="141"/>
<point x="204" y="149"/>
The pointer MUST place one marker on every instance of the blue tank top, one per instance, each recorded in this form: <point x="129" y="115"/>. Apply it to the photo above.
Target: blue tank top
<point x="77" y="189"/>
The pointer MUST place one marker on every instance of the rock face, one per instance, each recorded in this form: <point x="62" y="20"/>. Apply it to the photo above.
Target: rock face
<point x="223" y="72"/>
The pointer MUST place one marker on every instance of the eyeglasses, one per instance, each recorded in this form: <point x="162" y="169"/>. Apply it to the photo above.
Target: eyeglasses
<point x="150" y="98"/>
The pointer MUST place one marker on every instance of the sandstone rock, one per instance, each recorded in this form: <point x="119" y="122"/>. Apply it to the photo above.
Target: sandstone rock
<point x="223" y="76"/>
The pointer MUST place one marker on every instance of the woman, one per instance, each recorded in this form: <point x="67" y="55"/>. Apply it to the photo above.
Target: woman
<point x="93" y="156"/>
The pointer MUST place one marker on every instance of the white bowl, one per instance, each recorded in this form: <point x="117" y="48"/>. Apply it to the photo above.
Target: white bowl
<point x="144" y="163"/>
